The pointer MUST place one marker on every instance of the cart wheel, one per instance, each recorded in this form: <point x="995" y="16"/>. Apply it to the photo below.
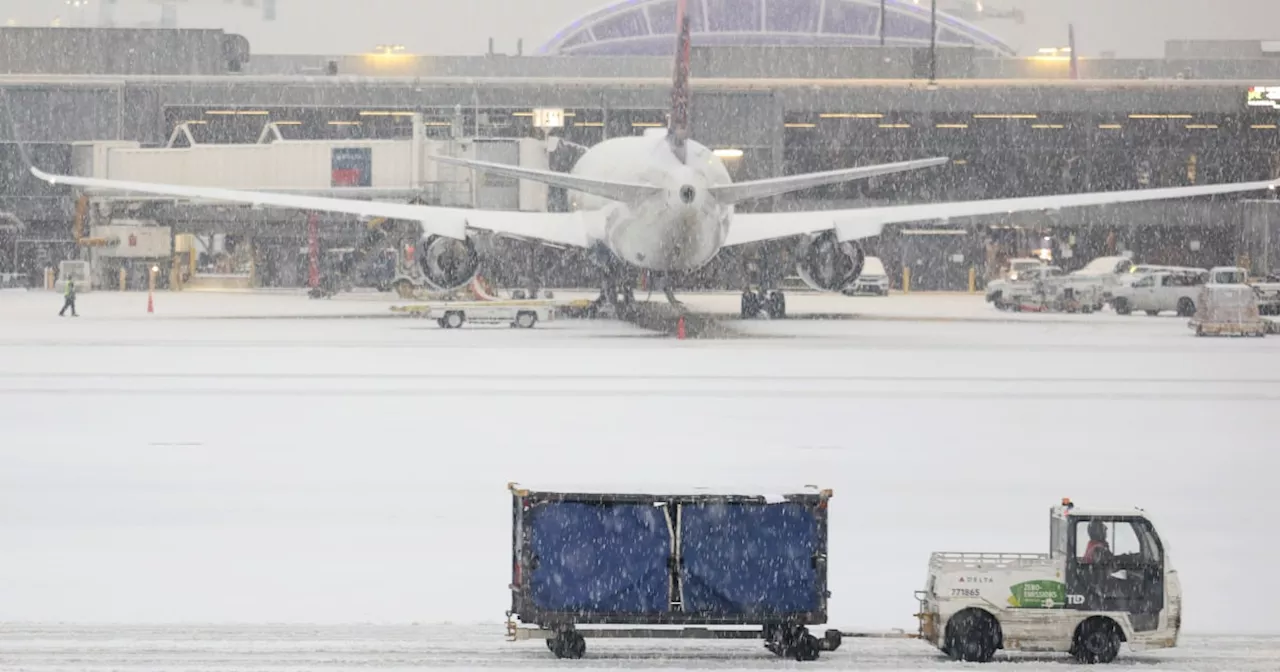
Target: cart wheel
<point x="567" y="645"/>
<point x="525" y="319"/>
<point x="831" y="640"/>
<point x="1097" y="640"/>
<point x="453" y="319"/>
<point x="807" y="647"/>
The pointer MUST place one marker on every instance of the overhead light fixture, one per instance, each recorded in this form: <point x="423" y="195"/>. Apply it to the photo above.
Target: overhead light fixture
<point x="1006" y="116"/>
<point x="647" y="124"/>
<point x="1055" y="126"/>
<point x="288" y="123"/>
<point x="1263" y="127"/>
<point x="344" y="123"/>
<point x="1159" y="116"/>
<point x="851" y="115"/>
<point x="799" y="125"/>
<point x="1202" y="127"/>
<point x="895" y="125"/>
<point x="952" y="125"/>
<point x="728" y="153"/>
<point x="1110" y="127"/>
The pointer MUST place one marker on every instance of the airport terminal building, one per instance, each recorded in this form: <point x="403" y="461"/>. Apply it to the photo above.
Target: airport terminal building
<point x="780" y="87"/>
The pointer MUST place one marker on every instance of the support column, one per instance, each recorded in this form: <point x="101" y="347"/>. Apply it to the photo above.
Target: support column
<point x="313" y="250"/>
<point x="777" y="143"/>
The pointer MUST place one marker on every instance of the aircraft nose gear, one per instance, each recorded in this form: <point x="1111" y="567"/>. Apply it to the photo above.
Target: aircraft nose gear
<point x="773" y="304"/>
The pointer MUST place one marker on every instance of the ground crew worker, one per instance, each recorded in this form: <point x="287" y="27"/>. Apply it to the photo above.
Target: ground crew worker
<point x="70" y="301"/>
<point x="1097" y="551"/>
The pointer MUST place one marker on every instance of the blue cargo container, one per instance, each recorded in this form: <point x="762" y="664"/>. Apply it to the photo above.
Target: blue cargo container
<point x="671" y="560"/>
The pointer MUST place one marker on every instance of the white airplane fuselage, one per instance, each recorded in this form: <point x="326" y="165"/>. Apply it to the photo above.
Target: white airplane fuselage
<point x="680" y="228"/>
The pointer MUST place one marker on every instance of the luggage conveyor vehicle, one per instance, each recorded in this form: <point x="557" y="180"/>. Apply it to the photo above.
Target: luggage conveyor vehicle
<point x="712" y="563"/>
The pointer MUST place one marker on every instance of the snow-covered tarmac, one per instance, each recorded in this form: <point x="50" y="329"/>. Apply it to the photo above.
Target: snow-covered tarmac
<point x="183" y="467"/>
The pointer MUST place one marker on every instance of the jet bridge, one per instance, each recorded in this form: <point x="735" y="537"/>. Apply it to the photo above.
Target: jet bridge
<point x="397" y="169"/>
<point x="388" y="169"/>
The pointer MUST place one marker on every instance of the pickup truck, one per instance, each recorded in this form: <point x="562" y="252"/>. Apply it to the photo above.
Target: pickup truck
<point x="1159" y="291"/>
<point x="1268" y="293"/>
<point x="1106" y="581"/>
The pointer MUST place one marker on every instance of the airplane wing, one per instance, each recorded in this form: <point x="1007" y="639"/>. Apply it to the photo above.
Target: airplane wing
<point x="618" y="191"/>
<point x="741" y="191"/>
<point x="563" y="228"/>
<point x="853" y="224"/>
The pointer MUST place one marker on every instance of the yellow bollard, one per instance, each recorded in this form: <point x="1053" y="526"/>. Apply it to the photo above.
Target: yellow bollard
<point x="973" y="280"/>
<point x="123" y="276"/>
<point x="906" y="279"/>
<point x="48" y="278"/>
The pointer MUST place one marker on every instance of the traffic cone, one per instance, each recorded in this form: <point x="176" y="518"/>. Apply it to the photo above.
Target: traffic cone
<point x="680" y="328"/>
<point x="151" y="307"/>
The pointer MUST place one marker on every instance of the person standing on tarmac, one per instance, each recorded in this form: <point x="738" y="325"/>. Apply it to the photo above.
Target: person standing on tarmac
<point x="70" y="301"/>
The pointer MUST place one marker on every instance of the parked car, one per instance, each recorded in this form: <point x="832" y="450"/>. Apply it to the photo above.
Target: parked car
<point x="873" y="280"/>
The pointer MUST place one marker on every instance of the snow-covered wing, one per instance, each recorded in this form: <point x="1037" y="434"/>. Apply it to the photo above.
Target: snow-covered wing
<point x="618" y="191"/>
<point x="755" y="227"/>
<point x="563" y="228"/>
<point x="773" y="186"/>
<point x="866" y="222"/>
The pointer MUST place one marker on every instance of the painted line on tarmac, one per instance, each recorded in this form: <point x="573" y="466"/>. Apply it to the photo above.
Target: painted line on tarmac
<point x="883" y="395"/>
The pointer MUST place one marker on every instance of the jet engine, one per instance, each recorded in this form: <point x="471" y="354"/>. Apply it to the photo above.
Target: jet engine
<point x="828" y="265"/>
<point x="448" y="263"/>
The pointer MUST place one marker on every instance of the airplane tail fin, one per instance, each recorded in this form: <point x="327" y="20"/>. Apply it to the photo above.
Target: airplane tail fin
<point x="678" y="125"/>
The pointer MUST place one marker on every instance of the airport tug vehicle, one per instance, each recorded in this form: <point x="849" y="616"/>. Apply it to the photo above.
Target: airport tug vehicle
<point x="1107" y="580"/>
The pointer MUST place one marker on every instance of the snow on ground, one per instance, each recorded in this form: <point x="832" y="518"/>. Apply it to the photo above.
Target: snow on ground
<point x="178" y="467"/>
<point x="285" y="648"/>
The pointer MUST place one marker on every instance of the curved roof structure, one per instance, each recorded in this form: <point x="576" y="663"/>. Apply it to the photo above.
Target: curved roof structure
<point x="647" y="27"/>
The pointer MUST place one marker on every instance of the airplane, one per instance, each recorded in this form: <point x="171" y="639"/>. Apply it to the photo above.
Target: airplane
<point x="660" y="202"/>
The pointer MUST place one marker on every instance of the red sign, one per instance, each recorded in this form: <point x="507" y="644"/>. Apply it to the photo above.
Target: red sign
<point x="133" y="240"/>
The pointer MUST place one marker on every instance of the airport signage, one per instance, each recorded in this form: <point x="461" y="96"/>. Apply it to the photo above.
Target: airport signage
<point x="1264" y="96"/>
<point x="548" y="118"/>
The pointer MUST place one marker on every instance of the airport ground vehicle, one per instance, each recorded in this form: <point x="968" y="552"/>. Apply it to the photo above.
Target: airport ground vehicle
<point x="523" y="314"/>
<point x="1102" y="276"/>
<point x="1228" y="305"/>
<point x="1160" y="291"/>
<point x="1268" y="293"/>
<point x="711" y="562"/>
<point x="1045" y="288"/>
<point x="872" y="280"/>
<point x="1106" y="580"/>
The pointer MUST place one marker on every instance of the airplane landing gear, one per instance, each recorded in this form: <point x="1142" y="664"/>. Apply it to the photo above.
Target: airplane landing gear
<point x="671" y="296"/>
<point x="773" y="304"/>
